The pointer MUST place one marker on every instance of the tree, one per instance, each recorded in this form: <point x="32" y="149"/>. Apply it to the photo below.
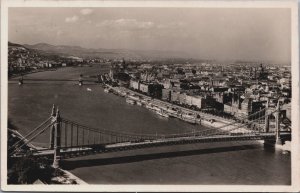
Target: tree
<point x="180" y="71"/>
<point x="28" y="169"/>
<point x="194" y="71"/>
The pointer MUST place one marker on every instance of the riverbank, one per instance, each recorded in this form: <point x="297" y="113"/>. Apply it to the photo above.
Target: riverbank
<point x="68" y="178"/>
<point x="167" y="109"/>
<point x="30" y="72"/>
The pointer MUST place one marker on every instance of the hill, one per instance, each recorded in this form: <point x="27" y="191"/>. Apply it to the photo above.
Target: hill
<point x="78" y="51"/>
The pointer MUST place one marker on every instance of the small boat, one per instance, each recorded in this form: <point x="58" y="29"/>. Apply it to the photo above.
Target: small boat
<point x="149" y="106"/>
<point x="188" y="119"/>
<point x="156" y="108"/>
<point x="285" y="152"/>
<point x="88" y="89"/>
<point x="106" y="90"/>
<point x="123" y="94"/>
<point x="130" y="101"/>
<point x="161" y="113"/>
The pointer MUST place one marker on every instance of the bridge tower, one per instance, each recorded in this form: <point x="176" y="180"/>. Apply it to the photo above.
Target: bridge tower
<point x="277" y="123"/>
<point x="267" y="118"/>
<point x="52" y="128"/>
<point x="57" y="142"/>
<point x="277" y="139"/>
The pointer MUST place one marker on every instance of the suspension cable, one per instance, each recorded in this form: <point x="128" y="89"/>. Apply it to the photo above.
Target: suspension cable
<point x="27" y="135"/>
<point x="33" y="137"/>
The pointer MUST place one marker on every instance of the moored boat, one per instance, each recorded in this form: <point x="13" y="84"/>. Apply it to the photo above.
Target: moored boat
<point x="162" y="113"/>
<point x="149" y="106"/>
<point x="106" y="90"/>
<point x="130" y="101"/>
<point x="192" y="121"/>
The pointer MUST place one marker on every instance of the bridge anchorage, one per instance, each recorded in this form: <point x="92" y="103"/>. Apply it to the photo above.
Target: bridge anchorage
<point x="71" y="139"/>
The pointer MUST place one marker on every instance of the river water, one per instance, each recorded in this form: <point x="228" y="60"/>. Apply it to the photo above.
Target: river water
<point x="213" y="163"/>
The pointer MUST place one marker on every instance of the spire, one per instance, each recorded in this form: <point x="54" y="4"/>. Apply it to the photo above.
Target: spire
<point x="53" y="110"/>
<point x="267" y="105"/>
<point x="57" y="113"/>
<point x="278" y="105"/>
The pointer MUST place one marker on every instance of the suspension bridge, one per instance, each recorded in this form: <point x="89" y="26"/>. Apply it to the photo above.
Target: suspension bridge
<point x="88" y="80"/>
<point x="71" y="139"/>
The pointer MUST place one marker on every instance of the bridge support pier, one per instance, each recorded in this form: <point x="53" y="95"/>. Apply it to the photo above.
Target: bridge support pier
<point x="57" y="142"/>
<point x="21" y="81"/>
<point x="80" y="81"/>
<point x="267" y="117"/>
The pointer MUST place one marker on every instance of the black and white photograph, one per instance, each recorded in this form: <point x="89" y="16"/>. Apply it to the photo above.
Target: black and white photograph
<point x="135" y="94"/>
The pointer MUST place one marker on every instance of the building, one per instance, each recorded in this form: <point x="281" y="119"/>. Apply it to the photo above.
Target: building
<point x="135" y="84"/>
<point x="144" y="87"/>
<point x="166" y="94"/>
<point x="242" y="107"/>
<point x="194" y="100"/>
<point x="175" y="96"/>
<point x="167" y="83"/>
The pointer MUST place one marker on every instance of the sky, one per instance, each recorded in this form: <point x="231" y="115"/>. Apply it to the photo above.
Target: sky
<point x="252" y="34"/>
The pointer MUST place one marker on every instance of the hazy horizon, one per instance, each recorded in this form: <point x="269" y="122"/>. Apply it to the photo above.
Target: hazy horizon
<point x="248" y="34"/>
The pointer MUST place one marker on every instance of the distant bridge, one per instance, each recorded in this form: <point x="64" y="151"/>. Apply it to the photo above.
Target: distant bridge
<point x="80" y="80"/>
<point x="71" y="139"/>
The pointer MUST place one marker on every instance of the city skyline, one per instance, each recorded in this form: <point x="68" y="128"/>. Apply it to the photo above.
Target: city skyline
<point x="220" y="34"/>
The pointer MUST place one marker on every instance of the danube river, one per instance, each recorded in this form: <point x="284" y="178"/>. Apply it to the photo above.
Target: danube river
<point x="214" y="163"/>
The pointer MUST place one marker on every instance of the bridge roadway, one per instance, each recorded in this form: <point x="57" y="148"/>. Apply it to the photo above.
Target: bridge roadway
<point x="123" y="146"/>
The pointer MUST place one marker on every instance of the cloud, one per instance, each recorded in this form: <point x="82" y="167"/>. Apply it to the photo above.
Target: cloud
<point x="86" y="11"/>
<point x="71" y="19"/>
<point x="126" y="23"/>
<point x="171" y="25"/>
<point x="59" y="32"/>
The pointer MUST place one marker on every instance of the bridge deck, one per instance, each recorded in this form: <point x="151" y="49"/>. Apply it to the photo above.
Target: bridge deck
<point x="103" y="148"/>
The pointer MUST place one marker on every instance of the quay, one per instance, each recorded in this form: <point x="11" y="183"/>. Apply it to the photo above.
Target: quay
<point x="182" y="113"/>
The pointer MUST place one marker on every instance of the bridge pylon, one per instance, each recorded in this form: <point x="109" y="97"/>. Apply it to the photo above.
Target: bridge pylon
<point x="267" y="118"/>
<point x="277" y="123"/>
<point x="57" y="142"/>
<point x="277" y="114"/>
<point x="52" y="128"/>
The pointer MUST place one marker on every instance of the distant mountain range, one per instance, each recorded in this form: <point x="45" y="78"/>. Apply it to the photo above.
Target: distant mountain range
<point x="78" y="51"/>
<point x="86" y="53"/>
